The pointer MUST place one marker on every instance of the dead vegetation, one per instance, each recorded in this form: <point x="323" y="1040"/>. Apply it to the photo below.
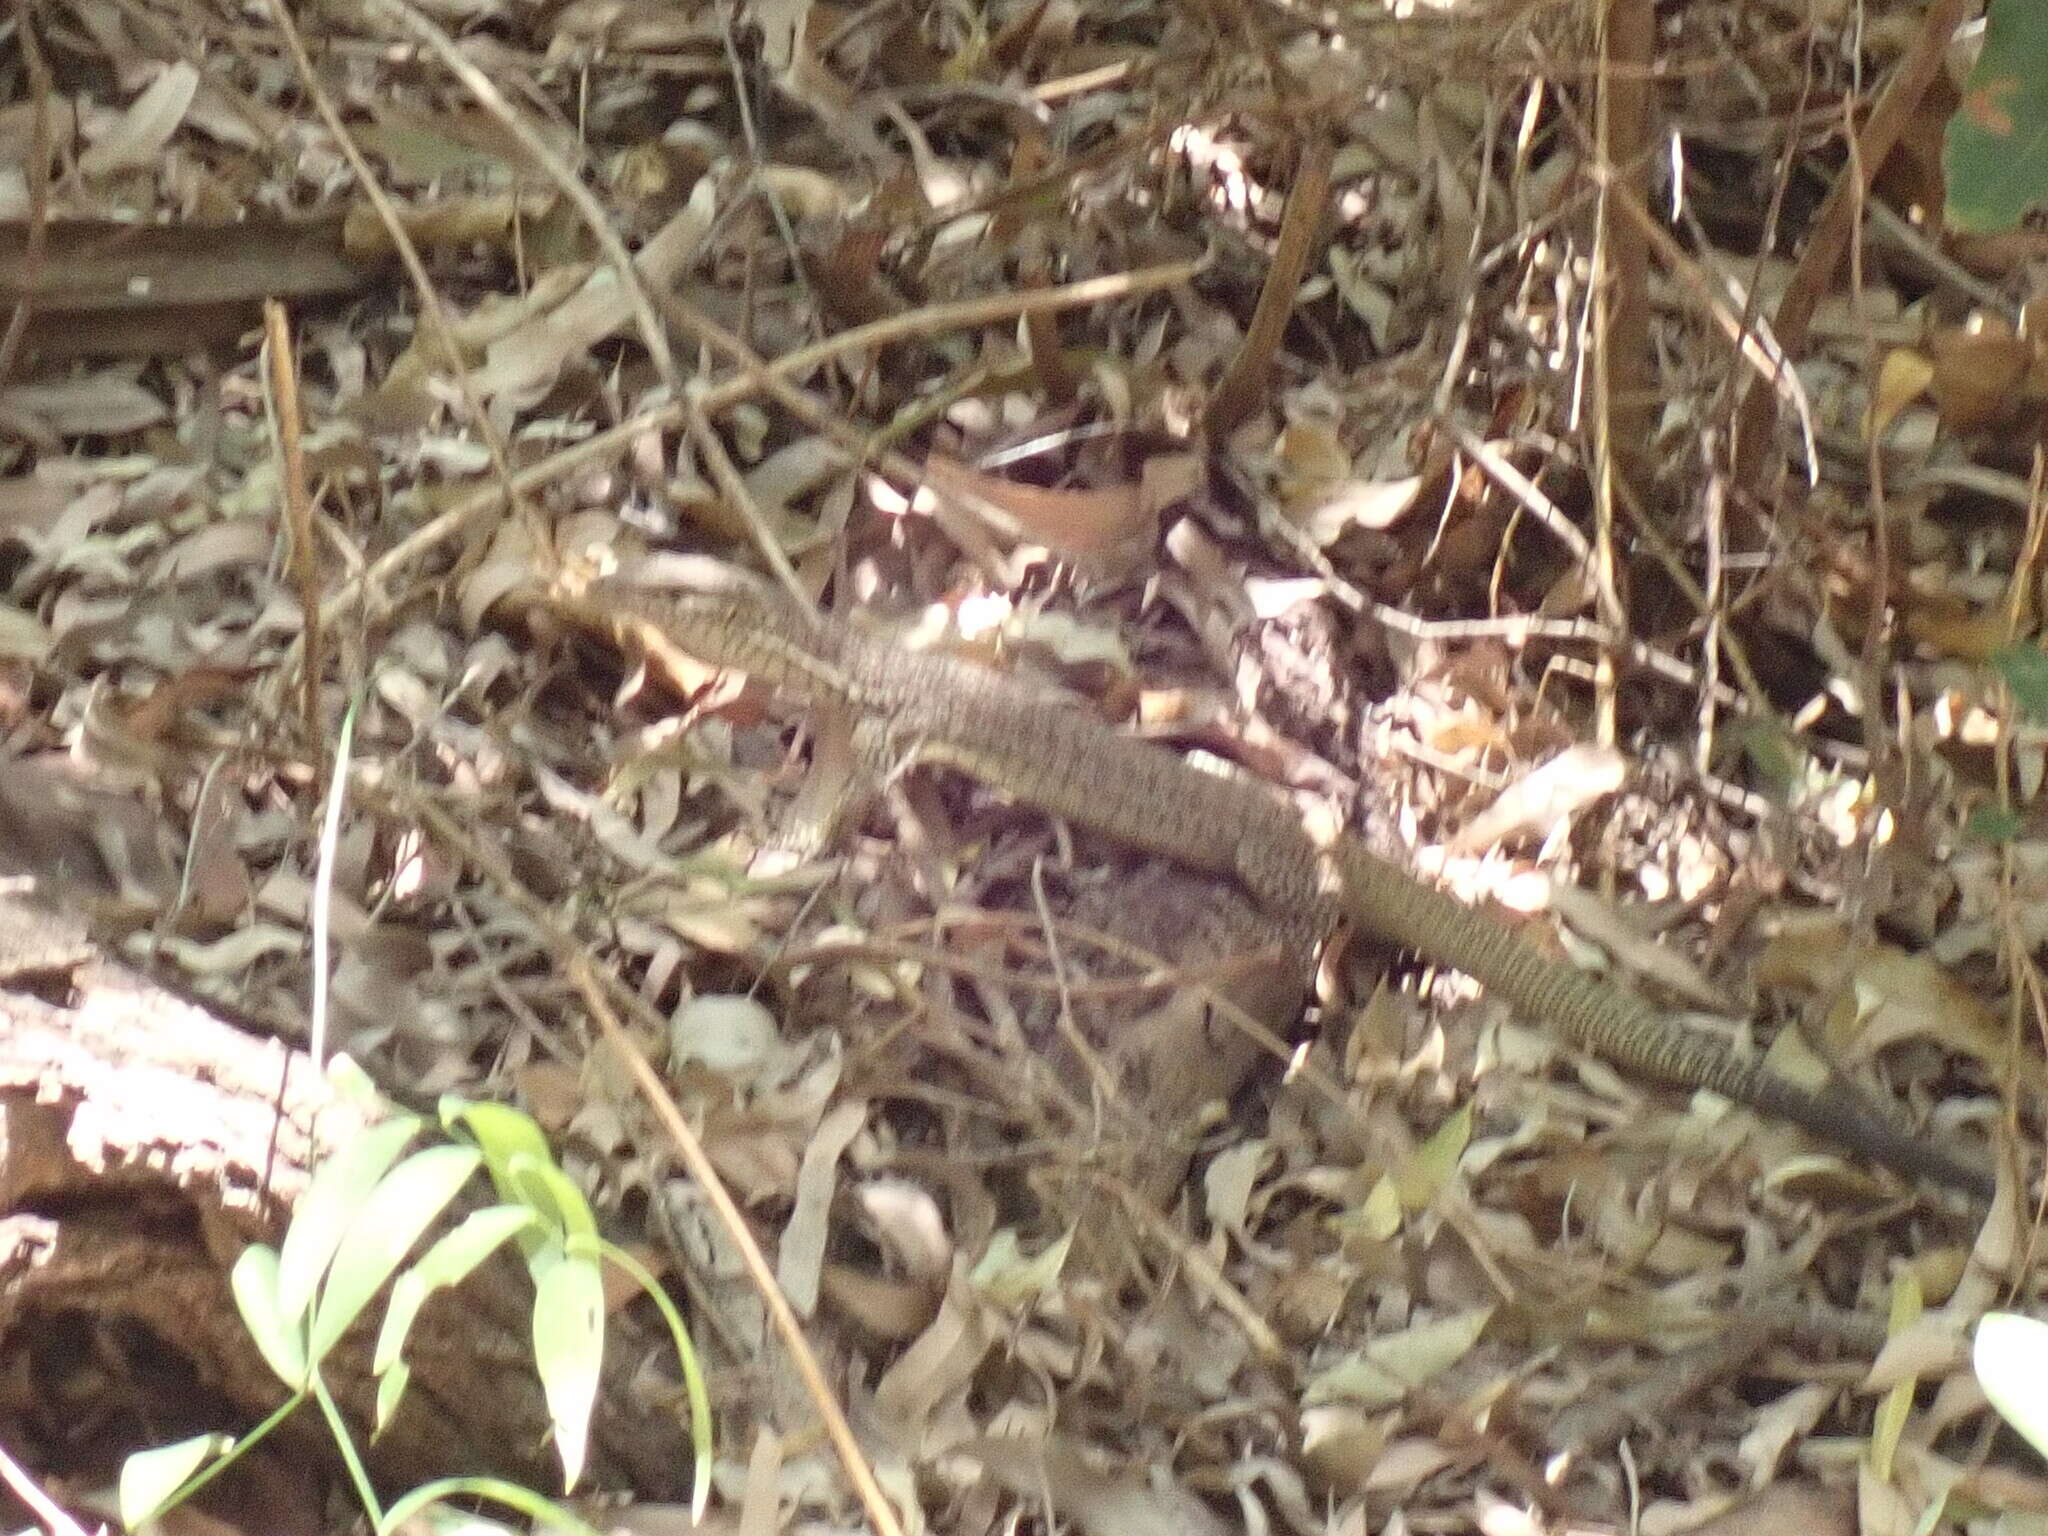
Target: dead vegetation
<point x="1308" y="389"/>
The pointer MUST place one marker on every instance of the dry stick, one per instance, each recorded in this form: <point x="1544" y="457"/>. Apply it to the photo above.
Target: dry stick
<point x="724" y="474"/>
<point x="1388" y="1140"/>
<point x="1754" y="339"/>
<point x="1835" y="222"/>
<point x="1622" y="420"/>
<point x="1203" y="1271"/>
<point x="591" y="985"/>
<point x="757" y="377"/>
<point x="1624" y="401"/>
<point x="298" y="513"/>
<point x="1757" y="347"/>
<point x="432" y="310"/>
<point x="56" y="1519"/>
<point x="857" y="447"/>
<point x="764" y="187"/>
<point x="1515" y="630"/>
<point x="38" y="185"/>
<point x="1531" y="497"/>
<point x="1242" y="389"/>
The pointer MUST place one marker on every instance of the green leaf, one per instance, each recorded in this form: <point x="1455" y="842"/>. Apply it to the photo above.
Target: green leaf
<point x="352" y="1086"/>
<point x="553" y="1196"/>
<point x="693" y="1373"/>
<point x="391" y="1389"/>
<point x="501" y="1132"/>
<point x="2011" y="1356"/>
<point x="2025" y="670"/>
<point x="1010" y="1280"/>
<point x="1393" y="1365"/>
<point x="482" y="1233"/>
<point x="1425" y="1174"/>
<point x="150" y="1480"/>
<point x="339" y="1188"/>
<point x="568" y="1348"/>
<point x="1995" y="157"/>
<point x="540" y="1513"/>
<point x="448" y="1262"/>
<point x="1774" y="753"/>
<point x="410" y="1199"/>
<point x="280" y="1341"/>
<point x="1990" y="824"/>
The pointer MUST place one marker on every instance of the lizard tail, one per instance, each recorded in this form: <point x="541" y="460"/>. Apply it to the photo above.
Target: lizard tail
<point x="1602" y="1018"/>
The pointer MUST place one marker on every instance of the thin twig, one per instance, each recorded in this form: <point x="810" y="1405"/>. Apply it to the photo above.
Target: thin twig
<point x="38" y="174"/>
<point x="594" y="988"/>
<point x="653" y="334"/>
<point x="432" y="310"/>
<point x="285" y="415"/>
<point x="1836" y="222"/>
<point x="756" y="377"/>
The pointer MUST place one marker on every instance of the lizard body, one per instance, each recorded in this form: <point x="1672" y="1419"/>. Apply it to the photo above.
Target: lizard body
<point x="1040" y="747"/>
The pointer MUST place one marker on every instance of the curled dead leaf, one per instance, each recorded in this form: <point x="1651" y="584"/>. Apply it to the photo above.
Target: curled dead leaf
<point x="1976" y="375"/>
<point x="1882" y="993"/>
<point x="1106" y="523"/>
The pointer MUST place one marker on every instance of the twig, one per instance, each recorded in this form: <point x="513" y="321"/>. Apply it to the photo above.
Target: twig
<point x="1242" y="389"/>
<point x="756" y="377"/>
<point x="298" y="512"/>
<point x="652" y="333"/>
<point x="1836" y="221"/>
<point x="38" y="173"/>
<point x="56" y="1520"/>
<point x="590" y="985"/>
<point x="432" y="310"/>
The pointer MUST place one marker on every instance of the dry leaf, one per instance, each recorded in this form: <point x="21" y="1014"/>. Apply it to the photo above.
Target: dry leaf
<point x="1976" y="375"/>
<point x="1099" y="1503"/>
<point x="1384" y="1372"/>
<point x="801" y="1254"/>
<point x="941" y="1361"/>
<point x="1793" y="1505"/>
<point x="520" y="367"/>
<point x="1543" y="799"/>
<point x="1902" y="378"/>
<point x="1109" y="523"/>
<point x="135" y="140"/>
<point x="103" y="404"/>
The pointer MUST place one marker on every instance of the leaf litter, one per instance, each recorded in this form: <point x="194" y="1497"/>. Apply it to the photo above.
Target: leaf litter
<point x="1096" y="1213"/>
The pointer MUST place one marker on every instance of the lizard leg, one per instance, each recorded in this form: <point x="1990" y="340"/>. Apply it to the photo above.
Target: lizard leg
<point x="835" y="792"/>
<point x="852" y="760"/>
<point x="886" y="760"/>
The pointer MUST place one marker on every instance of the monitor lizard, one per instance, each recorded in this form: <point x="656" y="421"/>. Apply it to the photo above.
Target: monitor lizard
<point x="1036" y="745"/>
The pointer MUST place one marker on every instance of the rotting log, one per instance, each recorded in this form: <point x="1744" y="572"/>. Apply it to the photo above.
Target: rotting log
<point x="144" y="1142"/>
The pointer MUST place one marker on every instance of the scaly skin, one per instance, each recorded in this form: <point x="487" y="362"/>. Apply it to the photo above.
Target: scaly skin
<point x="1041" y="748"/>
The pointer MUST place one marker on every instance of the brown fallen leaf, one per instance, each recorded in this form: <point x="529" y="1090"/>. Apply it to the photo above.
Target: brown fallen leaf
<point x="1545" y="797"/>
<point x="1106" y="523"/>
<point x="1807" y="1508"/>
<point x="1882" y="994"/>
<point x="1099" y="1503"/>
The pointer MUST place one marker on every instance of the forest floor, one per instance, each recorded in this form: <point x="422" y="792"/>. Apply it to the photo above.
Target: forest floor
<point x="1594" y="496"/>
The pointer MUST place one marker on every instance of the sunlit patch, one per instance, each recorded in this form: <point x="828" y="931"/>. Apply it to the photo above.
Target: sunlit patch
<point x="1231" y="189"/>
<point x="886" y="499"/>
<point x="1840" y="811"/>
<point x="1979" y="727"/>
<point x="408" y="867"/>
<point x="982" y="615"/>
